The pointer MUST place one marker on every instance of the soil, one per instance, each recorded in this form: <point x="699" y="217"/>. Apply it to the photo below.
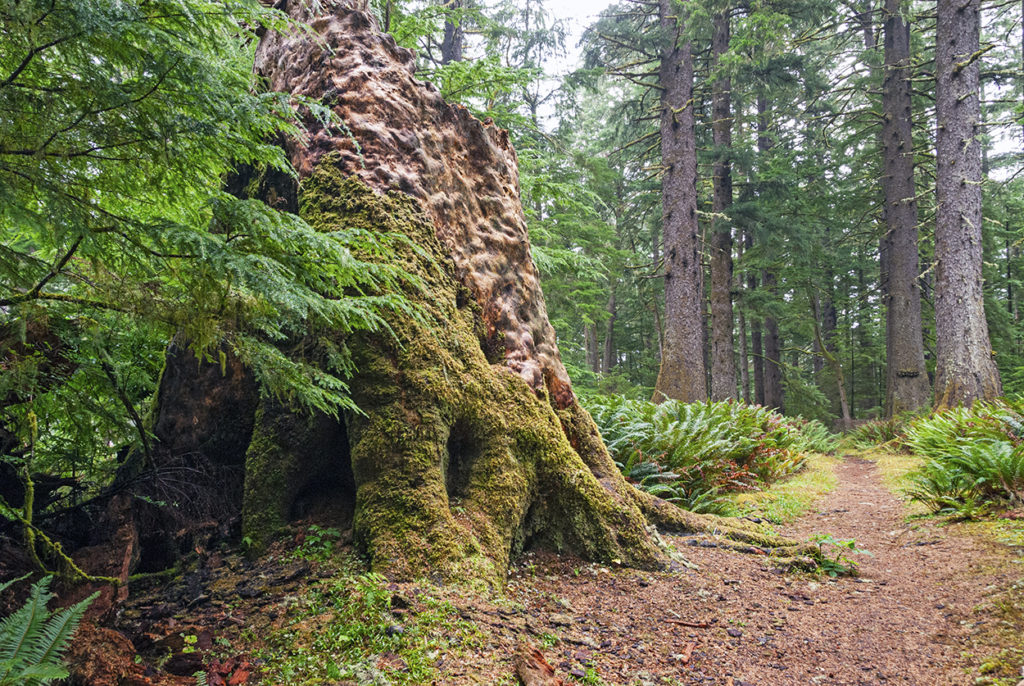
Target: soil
<point x="933" y="603"/>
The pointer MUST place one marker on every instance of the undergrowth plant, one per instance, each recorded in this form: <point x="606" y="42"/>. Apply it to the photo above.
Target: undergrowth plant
<point x="834" y="555"/>
<point x="32" y="638"/>
<point x="692" y="453"/>
<point x="888" y="432"/>
<point x="974" y="459"/>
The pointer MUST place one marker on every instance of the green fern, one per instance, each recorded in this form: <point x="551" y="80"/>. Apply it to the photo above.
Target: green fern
<point x="32" y="638"/>
<point x="691" y="453"/>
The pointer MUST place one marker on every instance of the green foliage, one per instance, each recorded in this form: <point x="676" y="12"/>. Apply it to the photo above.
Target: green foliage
<point x="974" y="459"/>
<point x="890" y="432"/>
<point x="793" y="497"/>
<point x="339" y="629"/>
<point x="119" y="124"/>
<point x="813" y="436"/>
<point x="318" y="544"/>
<point x="834" y="555"/>
<point x="32" y="638"/>
<point x="691" y="453"/>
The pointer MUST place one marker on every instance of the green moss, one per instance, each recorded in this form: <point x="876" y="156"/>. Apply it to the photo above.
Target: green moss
<point x="288" y="449"/>
<point x="457" y="461"/>
<point x="458" y="464"/>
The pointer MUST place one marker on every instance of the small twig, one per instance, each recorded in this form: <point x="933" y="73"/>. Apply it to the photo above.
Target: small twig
<point x="692" y="625"/>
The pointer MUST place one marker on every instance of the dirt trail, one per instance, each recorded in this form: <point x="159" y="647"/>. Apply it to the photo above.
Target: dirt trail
<point x="908" y="618"/>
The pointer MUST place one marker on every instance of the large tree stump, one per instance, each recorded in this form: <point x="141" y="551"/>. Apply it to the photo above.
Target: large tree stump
<point x="471" y="444"/>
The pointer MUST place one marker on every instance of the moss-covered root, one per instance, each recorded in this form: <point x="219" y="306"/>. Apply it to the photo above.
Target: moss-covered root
<point x="457" y="462"/>
<point x="289" y="451"/>
<point x="744" y="533"/>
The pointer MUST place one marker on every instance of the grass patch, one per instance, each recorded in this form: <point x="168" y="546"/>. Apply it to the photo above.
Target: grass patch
<point x="790" y="498"/>
<point x="1006" y="531"/>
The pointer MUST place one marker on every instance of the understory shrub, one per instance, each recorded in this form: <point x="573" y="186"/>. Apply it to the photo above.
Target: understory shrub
<point x="974" y="458"/>
<point x="32" y="638"/>
<point x="890" y="432"/>
<point x="691" y="453"/>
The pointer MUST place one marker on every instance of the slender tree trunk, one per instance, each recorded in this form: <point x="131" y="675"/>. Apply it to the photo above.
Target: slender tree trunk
<point x="833" y="361"/>
<point x="609" y="358"/>
<point x="744" y="358"/>
<point x="756" y="347"/>
<point x="772" y="346"/>
<point x="744" y="361"/>
<point x="772" y="349"/>
<point x="681" y="375"/>
<point x="965" y="370"/>
<point x="591" y="347"/>
<point x="829" y="327"/>
<point x="454" y="36"/>
<point x="723" y="363"/>
<point x="907" y="387"/>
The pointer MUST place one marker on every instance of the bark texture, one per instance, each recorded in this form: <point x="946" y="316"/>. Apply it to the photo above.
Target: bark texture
<point x="723" y="363"/>
<point x="772" y="349"/>
<point x="965" y="370"/>
<point x="756" y="345"/>
<point x="907" y="386"/>
<point x="682" y="373"/>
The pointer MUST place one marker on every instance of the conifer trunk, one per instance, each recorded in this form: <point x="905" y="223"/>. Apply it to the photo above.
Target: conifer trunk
<point x="965" y="370"/>
<point x="681" y="375"/>
<point x="608" y="359"/>
<point x="907" y="387"/>
<point x="454" y="35"/>
<point x="756" y="345"/>
<point x="723" y="363"/>
<point x="772" y="346"/>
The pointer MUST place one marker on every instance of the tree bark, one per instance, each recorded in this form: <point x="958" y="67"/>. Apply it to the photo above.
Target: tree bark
<point x="772" y="347"/>
<point x="772" y="350"/>
<point x="681" y="375"/>
<point x="965" y="370"/>
<point x="756" y="346"/>
<point x="608" y="359"/>
<point x="591" y="344"/>
<point x="723" y="363"/>
<point x="454" y="37"/>
<point x="907" y="387"/>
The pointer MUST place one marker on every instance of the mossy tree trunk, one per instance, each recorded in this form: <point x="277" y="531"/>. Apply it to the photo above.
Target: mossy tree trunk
<point x="470" y="444"/>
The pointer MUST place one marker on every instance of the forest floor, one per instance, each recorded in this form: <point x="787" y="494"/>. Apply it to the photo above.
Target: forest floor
<point x="934" y="603"/>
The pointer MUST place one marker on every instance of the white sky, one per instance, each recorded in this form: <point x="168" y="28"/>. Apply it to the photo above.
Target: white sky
<point x="579" y="14"/>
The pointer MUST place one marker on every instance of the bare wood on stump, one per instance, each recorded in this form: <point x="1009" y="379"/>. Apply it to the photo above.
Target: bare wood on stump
<point x="471" y="445"/>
